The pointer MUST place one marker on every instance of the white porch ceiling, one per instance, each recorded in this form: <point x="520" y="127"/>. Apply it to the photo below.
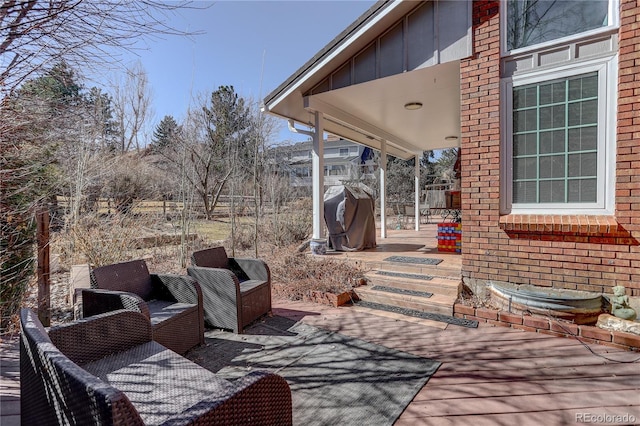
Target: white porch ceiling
<point x="376" y="108"/>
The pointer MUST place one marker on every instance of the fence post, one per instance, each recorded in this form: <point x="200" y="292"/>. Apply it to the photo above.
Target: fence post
<point x="43" y="270"/>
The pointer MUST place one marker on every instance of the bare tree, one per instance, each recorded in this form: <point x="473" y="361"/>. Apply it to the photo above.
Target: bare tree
<point x="132" y="104"/>
<point x="263" y="127"/>
<point x="37" y="33"/>
<point x="215" y="134"/>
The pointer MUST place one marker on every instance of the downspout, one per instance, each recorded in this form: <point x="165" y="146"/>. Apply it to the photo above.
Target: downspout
<point x="417" y="192"/>
<point x="293" y="129"/>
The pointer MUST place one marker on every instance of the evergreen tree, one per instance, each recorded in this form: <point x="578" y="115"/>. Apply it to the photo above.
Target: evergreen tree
<point x="400" y="180"/>
<point x="165" y="133"/>
<point x="427" y="168"/>
<point x="227" y="127"/>
<point x="30" y="134"/>
<point x="58" y="87"/>
<point x="100" y="111"/>
<point x="445" y="164"/>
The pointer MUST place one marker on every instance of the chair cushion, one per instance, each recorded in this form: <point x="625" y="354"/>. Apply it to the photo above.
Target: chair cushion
<point x="157" y="381"/>
<point x="130" y="276"/>
<point x="247" y="287"/>
<point x="162" y="310"/>
<point x="215" y="257"/>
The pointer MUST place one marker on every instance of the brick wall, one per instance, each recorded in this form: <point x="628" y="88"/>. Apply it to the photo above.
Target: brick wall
<point x="480" y="148"/>
<point x="579" y="252"/>
<point x="628" y="132"/>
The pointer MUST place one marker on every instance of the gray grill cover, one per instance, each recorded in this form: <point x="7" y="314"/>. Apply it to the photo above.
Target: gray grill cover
<point x="350" y="216"/>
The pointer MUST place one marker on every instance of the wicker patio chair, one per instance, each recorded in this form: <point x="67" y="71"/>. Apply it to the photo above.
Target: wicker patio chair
<point x="107" y="370"/>
<point x="235" y="291"/>
<point x="173" y="303"/>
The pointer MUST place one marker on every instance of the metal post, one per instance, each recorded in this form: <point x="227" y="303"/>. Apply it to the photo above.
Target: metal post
<point x="317" y="163"/>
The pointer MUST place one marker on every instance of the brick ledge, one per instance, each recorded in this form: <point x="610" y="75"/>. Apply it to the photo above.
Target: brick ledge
<point x="559" y="224"/>
<point x="539" y="324"/>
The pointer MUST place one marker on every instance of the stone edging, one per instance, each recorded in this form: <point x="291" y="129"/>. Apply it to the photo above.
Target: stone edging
<point x="540" y="324"/>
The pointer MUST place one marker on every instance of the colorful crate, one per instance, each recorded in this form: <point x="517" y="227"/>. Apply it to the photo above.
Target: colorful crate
<point x="450" y="237"/>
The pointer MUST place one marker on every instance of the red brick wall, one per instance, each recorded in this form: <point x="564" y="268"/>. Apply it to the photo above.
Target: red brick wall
<point x="579" y="252"/>
<point x="628" y="132"/>
<point x="482" y="257"/>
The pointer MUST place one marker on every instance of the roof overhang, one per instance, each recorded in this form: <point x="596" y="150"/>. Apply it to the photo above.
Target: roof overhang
<point x="374" y="111"/>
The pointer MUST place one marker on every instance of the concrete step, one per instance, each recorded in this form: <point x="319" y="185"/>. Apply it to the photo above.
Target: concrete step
<point x="409" y="281"/>
<point x="438" y="303"/>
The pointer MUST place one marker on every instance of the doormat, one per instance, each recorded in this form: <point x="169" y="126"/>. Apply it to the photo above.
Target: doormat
<point x="401" y="291"/>
<point x="419" y="314"/>
<point x="417" y="260"/>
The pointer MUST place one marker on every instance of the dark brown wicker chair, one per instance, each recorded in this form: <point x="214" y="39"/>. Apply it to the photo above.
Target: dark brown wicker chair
<point x="235" y="291"/>
<point x="107" y="370"/>
<point x="173" y="303"/>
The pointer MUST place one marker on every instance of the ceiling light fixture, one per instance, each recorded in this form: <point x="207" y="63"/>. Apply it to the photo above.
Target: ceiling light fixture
<point x="411" y="106"/>
<point x="451" y="138"/>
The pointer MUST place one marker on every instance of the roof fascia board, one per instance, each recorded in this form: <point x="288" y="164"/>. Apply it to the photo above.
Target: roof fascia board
<point x="332" y="53"/>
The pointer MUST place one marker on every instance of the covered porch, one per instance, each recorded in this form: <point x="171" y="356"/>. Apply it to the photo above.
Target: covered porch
<point x="390" y="81"/>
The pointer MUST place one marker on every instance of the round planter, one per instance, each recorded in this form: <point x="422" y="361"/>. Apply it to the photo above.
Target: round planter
<point x="580" y="307"/>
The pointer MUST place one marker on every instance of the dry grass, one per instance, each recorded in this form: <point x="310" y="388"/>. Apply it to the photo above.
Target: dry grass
<point x="212" y="230"/>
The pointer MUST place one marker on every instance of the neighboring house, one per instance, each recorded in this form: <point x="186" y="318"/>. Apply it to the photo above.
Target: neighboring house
<point x="543" y="98"/>
<point x="343" y="161"/>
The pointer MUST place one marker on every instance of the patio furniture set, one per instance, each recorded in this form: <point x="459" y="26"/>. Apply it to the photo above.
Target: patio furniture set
<point x="122" y="362"/>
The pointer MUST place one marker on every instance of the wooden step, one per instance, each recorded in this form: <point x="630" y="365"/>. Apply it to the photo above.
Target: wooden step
<point x="409" y="281"/>
<point x="411" y="268"/>
<point x="438" y="303"/>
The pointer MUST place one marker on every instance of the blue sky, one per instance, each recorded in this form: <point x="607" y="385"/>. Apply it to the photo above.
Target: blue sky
<point x="237" y="36"/>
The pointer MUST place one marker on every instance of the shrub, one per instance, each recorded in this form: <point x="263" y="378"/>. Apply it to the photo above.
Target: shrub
<point x="296" y="275"/>
<point x="101" y="240"/>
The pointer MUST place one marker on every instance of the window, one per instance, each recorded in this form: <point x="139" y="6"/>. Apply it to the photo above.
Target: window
<point x="531" y="22"/>
<point x="555" y="134"/>
<point x="344" y="152"/>
<point x="560" y="140"/>
<point x="302" y="172"/>
<point x="338" y="171"/>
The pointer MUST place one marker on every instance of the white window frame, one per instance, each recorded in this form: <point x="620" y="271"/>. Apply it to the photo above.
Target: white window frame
<point x="614" y="22"/>
<point x="607" y="106"/>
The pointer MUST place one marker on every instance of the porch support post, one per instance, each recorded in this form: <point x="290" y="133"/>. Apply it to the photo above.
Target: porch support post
<point x="383" y="189"/>
<point x="417" y="191"/>
<point x="317" y="169"/>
